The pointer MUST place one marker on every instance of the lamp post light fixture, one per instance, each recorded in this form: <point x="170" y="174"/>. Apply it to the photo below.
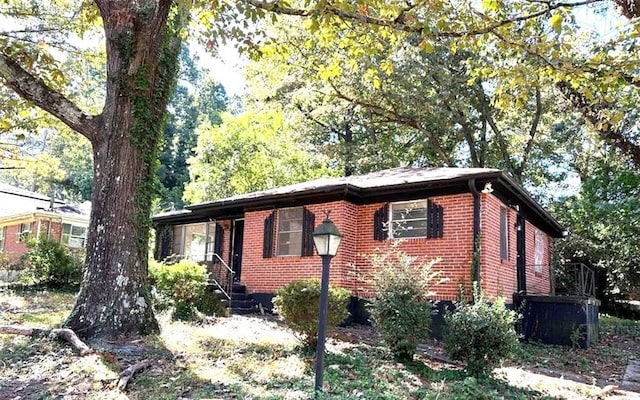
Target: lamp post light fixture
<point x="326" y="239"/>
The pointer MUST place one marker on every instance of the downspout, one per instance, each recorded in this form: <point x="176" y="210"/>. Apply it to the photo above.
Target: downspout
<point x="475" y="264"/>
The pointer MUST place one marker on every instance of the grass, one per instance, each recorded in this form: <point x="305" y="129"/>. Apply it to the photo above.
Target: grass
<point x="258" y="358"/>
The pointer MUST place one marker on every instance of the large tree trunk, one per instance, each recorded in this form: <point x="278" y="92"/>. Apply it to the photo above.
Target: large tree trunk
<point x="142" y="55"/>
<point x="142" y="47"/>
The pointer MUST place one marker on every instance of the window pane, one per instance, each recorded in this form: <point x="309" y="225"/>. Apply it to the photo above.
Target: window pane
<point x="290" y="213"/>
<point x="289" y="232"/>
<point x="66" y="228"/>
<point x="409" y="219"/>
<point x="78" y="231"/>
<point x="197" y="247"/>
<point x="290" y="244"/>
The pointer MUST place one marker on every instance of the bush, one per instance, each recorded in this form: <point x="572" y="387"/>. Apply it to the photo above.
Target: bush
<point x="401" y="309"/>
<point x="298" y="303"/>
<point x="182" y="286"/>
<point x="480" y="334"/>
<point x="52" y="264"/>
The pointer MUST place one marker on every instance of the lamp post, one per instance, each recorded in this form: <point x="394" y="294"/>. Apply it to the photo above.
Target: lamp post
<point x="326" y="238"/>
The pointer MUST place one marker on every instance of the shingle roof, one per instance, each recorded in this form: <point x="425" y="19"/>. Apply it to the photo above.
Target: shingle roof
<point x="15" y="201"/>
<point x="385" y="178"/>
<point x="388" y="185"/>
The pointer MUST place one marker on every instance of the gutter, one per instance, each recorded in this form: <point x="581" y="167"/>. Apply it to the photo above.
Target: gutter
<point x="475" y="263"/>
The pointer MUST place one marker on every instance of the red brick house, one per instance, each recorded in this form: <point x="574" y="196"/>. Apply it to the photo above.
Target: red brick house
<point x="25" y="214"/>
<point x="265" y="237"/>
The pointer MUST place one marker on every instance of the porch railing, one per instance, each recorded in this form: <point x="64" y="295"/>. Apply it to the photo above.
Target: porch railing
<point x="576" y="279"/>
<point x="221" y="275"/>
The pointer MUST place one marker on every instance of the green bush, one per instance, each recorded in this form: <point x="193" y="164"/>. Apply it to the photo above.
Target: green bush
<point x="298" y="303"/>
<point x="480" y="334"/>
<point x="50" y="263"/>
<point x="182" y="286"/>
<point x="401" y="309"/>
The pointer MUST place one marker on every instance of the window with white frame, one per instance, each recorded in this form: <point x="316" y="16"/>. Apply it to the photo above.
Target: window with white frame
<point x="539" y="252"/>
<point x="191" y="240"/>
<point x="504" y="233"/>
<point x="408" y="219"/>
<point x="74" y="236"/>
<point x="25" y="232"/>
<point x="289" y="241"/>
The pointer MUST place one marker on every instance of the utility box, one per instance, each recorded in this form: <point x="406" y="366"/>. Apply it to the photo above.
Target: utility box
<point x="561" y="320"/>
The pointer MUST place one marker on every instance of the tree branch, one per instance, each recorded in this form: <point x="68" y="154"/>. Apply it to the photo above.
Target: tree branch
<point x="66" y="334"/>
<point x="128" y="373"/>
<point x="532" y="132"/>
<point x="402" y="24"/>
<point x="37" y="92"/>
<point x="401" y="119"/>
<point x="610" y="133"/>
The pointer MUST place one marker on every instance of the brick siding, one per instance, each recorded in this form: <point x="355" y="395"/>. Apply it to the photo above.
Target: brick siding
<point x="13" y="248"/>
<point x="350" y="268"/>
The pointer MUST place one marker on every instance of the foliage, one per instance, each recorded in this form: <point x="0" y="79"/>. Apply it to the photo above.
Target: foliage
<point x="51" y="263"/>
<point x="261" y="360"/>
<point x="605" y="223"/>
<point x="480" y="334"/>
<point x="401" y="309"/>
<point x="187" y="109"/>
<point x="370" y="99"/>
<point x="254" y="151"/>
<point x="298" y="303"/>
<point x="182" y="286"/>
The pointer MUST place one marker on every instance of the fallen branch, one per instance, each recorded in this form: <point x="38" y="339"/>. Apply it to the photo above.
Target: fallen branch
<point x="63" y="333"/>
<point x="128" y="373"/>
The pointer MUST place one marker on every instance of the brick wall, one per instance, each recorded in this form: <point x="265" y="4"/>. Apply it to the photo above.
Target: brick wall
<point x="350" y="268"/>
<point x="265" y="275"/>
<point x="498" y="276"/>
<point x="13" y="248"/>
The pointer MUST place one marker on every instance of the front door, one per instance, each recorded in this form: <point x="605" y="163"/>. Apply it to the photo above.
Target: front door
<point x="237" y="233"/>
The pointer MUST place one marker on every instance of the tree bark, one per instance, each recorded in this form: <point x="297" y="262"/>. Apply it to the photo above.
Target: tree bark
<point x="128" y="373"/>
<point x="66" y="334"/>
<point x="142" y="48"/>
<point x="142" y="57"/>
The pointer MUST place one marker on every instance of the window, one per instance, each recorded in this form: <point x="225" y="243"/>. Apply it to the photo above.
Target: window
<point x="197" y="247"/>
<point x="539" y="252"/>
<point x="192" y="241"/>
<point x="26" y="230"/>
<point x="504" y="233"/>
<point x="3" y="231"/>
<point x="289" y="239"/>
<point x="409" y="219"/>
<point x="74" y="236"/>
<point x="178" y="240"/>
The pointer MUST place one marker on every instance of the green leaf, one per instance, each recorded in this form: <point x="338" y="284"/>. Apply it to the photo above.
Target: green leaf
<point x="556" y="22"/>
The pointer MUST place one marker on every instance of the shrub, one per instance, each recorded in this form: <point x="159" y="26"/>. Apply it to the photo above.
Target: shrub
<point x="298" y="303"/>
<point x="480" y="334"/>
<point x="52" y="264"/>
<point x="401" y="309"/>
<point x="182" y="286"/>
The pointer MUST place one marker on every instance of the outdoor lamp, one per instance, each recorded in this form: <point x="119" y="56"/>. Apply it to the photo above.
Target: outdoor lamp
<point x="326" y="238"/>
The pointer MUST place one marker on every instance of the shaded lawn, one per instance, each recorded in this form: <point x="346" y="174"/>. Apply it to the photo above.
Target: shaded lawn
<point x="257" y="358"/>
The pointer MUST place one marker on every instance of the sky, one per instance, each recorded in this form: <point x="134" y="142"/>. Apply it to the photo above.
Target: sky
<point x="226" y="68"/>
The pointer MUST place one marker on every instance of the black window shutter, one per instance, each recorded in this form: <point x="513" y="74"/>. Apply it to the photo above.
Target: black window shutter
<point x="308" y="224"/>
<point x="380" y="219"/>
<point x="267" y="244"/>
<point x="217" y="240"/>
<point x="434" y="220"/>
